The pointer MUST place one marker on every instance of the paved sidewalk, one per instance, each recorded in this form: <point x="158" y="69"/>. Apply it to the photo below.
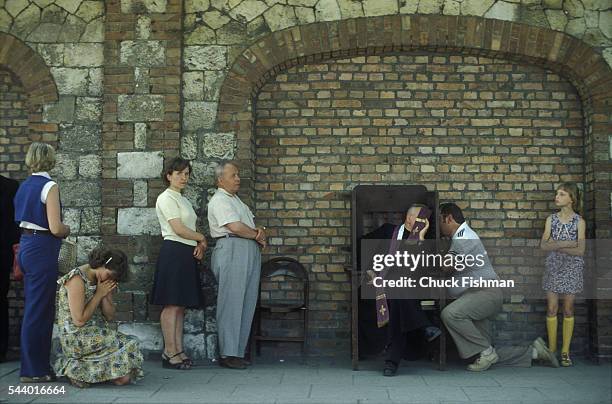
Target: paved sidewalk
<point x="324" y="381"/>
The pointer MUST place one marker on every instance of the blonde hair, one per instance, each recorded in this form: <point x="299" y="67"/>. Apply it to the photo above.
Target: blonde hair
<point x="574" y="192"/>
<point x="40" y="157"/>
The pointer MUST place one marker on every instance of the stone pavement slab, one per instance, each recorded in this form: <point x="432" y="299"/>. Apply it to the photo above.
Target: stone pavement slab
<point x="322" y="381"/>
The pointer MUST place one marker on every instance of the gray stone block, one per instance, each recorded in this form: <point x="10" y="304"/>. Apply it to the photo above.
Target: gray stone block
<point x="140" y="193"/>
<point x="80" y="138"/>
<point x="90" y="166"/>
<point x="66" y="166"/>
<point x="141" y="80"/>
<point x="80" y="193"/>
<point x="139" y="164"/>
<point x="72" y="29"/>
<point x="199" y="115"/>
<point x="45" y="32"/>
<point x="95" y="82"/>
<point x="90" y="10"/>
<point x="195" y="345"/>
<point x="141" y="108"/>
<point x="84" y="55"/>
<point x="193" y="86"/>
<point x="72" y="218"/>
<point x="149" y="334"/>
<point x="143" y="27"/>
<point x="88" y="110"/>
<point x="26" y="21"/>
<point x="70" y="81"/>
<point x="189" y="145"/>
<point x="69" y="5"/>
<point x="143" y="53"/>
<point x="84" y="246"/>
<point x="137" y="221"/>
<point x="53" y="14"/>
<point x="61" y="111"/>
<point x="94" y="31"/>
<point x="219" y="145"/>
<point x="213" y="79"/>
<point x="140" y="135"/>
<point x="211" y="57"/>
<point x="90" y="220"/>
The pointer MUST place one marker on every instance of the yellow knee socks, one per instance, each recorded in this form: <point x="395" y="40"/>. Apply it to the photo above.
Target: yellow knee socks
<point x="551" y="327"/>
<point x="568" y="330"/>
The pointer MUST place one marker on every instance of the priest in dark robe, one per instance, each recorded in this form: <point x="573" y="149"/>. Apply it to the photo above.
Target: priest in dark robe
<point x="408" y="327"/>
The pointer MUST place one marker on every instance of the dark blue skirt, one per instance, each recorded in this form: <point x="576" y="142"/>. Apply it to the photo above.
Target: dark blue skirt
<point x="177" y="281"/>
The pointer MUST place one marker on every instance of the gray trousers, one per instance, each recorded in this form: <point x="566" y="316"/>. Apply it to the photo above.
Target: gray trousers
<point x="236" y="263"/>
<point x="468" y="320"/>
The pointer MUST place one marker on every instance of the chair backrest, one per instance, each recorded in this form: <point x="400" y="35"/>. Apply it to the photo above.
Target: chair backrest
<point x="284" y="267"/>
<point x="284" y="281"/>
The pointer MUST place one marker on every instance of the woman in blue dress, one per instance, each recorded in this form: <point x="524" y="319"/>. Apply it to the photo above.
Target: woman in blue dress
<point x="38" y="212"/>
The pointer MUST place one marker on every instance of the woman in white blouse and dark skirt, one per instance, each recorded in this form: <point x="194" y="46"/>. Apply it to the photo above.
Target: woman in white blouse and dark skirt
<point x="177" y="282"/>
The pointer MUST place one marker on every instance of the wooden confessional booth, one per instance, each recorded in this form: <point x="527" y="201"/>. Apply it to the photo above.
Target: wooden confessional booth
<point x="372" y="206"/>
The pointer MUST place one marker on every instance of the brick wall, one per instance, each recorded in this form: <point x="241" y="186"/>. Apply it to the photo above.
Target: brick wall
<point x="493" y="135"/>
<point x="13" y="126"/>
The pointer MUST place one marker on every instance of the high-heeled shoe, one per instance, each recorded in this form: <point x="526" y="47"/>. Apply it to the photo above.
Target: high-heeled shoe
<point x="169" y="365"/>
<point x="187" y="361"/>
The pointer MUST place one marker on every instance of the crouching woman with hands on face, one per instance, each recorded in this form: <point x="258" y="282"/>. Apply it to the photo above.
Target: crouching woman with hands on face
<point x="92" y="350"/>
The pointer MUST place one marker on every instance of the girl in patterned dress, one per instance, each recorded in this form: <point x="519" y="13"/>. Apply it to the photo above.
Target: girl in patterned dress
<point x="92" y="350"/>
<point x="564" y="237"/>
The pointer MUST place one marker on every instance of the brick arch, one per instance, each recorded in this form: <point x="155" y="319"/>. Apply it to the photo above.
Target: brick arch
<point x="567" y="56"/>
<point x="559" y="52"/>
<point x="36" y="79"/>
<point x="26" y="64"/>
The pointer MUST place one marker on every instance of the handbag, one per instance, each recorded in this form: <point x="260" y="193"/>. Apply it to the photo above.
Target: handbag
<point x="17" y="274"/>
<point x="66" y="260"/>
<point x="67" y="257"/>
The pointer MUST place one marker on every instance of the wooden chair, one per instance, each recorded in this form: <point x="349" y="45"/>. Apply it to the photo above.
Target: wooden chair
<point x="291" y="295"/>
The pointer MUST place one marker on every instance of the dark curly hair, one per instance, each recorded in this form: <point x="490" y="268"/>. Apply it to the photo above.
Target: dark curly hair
<point x="112" y="259"/>
<point x="176" y="164"/>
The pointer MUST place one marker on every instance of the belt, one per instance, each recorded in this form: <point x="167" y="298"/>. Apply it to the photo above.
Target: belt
<point x="34" y="231"/>
<point x="228" y="235"/>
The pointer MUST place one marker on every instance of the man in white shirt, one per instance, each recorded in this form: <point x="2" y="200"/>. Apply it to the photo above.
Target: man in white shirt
<point x="236" y="263"/>
<point x="468" y="318"/>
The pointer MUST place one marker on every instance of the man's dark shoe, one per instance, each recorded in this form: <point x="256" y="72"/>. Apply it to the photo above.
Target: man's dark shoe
<point x="390" y="369"/>
<point x="232" y="362"/>
<point x="245" y="361"/>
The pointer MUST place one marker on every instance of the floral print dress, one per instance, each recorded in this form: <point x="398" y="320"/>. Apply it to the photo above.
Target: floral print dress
<point x="563" y="272"/>
<point x="95" y="352"/>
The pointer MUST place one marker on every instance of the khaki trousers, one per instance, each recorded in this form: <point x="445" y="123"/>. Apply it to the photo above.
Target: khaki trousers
<point x="468" y="319"/>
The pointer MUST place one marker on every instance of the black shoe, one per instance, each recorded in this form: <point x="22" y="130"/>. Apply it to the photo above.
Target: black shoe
<point x="232" y="363"/>
<point x="390" y="369"/>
